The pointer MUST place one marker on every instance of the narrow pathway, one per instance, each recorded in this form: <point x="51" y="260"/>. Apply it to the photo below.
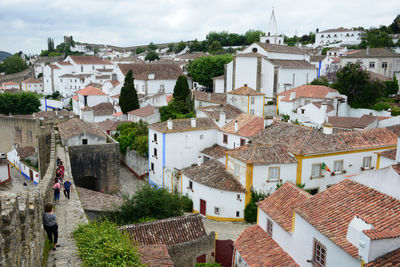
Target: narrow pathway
<point x="69" y="215"/>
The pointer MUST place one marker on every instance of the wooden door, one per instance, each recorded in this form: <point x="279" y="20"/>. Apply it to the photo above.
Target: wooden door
<point x="31" y="174"/>
<point x="201" y="259"/>
<point x="203" y="207"/>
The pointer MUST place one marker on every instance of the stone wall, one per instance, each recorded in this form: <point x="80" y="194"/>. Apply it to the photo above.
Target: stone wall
<point x="22" y="236"/>
<point x="95" y="162"/>
<point x="17" y="77"/>
<point x="137" y="164"/>
<point x="185" y="254"/>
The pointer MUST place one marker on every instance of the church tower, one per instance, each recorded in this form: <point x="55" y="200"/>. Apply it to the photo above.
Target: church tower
<point x="272" y="36"/>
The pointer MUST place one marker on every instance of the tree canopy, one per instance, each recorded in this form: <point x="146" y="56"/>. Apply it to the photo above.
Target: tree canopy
<point x="19" y="104"/>
<point x="181" y="46"/>
<point x="376" y="38"/>
<point x="181" y="89"/>
<point x="151" y="47"/>
<point x="133" y="135"/>
<point x="152" y="56"/>
<point x="128" y="99"/>
<point x="13" y="64"/>
<point x="203" y="69"/>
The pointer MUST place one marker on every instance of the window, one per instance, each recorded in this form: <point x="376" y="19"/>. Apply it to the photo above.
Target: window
<point x="238" y="197"/>
<point x="367" y="162"/>
<point x="206" y="158"/>
<point x="216" y="210"/>
<point x="152" y="167"/>
<point x="251" y="111"/>
<point x="313" y="191"/>
<point x="384" y="65"/>
<point x="273" y="175"/>
<point x="201" y="137"/>
<point x="302" y="110"/>
<point x="225" y="139"/>
<point x="338" y="166"/>
<point x="75" y="80"/>
<point x="237" y="214"/>
<point x="236" y="169"/>
<point x="81" y="68"/>
<point x="269" y="227"/>
<point x="372" y="65"/>
<point x="155" y="152"/>
<point x="84" y="141"/>
<point x="162" y="87"/>
<point x="155" y="138"/>
<point x="319" y="255"/>
<point x="242" y="142"/>
<point x="316" y="170"/>
<point x="252" y="99"/>
<point x="60" y="80"/>
<point x="190" y="185"/>
<point x="92" y="67"/>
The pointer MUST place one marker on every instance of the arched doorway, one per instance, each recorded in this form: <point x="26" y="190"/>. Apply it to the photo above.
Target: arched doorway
<point x="88" y="182"/>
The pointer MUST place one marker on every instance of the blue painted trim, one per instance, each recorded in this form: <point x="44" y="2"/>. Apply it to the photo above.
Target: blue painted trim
<point x="163" y="157"/>
<point x="45" y="103"/>
<point x="149" y="152"/>
<point x="319" y="68"/>
<point x="35" y="182"/>
<point x="51" y="107"/>
<point x="26" y="176"/>
<point x="153" y="184"/>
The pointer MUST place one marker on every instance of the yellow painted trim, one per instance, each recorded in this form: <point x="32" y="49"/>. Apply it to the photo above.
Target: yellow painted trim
<point x="299" y="168"/>
<point x="258" y="214"/>
<point x="226" y="161"/>
<point x="263" y="106"/>
<point x="248" y="104"/>
<point x="277" y="105"/>
<point x="225" y="219"/>
<point x="346" y="152"/>
<point x="362" y="263"/>
<point x="293" y="221"/>
<point x="378" y="162"/>
<point x="249" y="183"/>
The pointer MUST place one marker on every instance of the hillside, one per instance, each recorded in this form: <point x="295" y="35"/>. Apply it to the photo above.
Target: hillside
<point x="4" y="55"/>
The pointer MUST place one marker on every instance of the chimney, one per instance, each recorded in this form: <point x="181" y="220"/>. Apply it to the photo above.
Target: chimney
<point x="193" y="122"/>
<point x="222" y="118"/>
<point x="398" y="150"/>
<point x="292" y="95"/>
<point x="236" y="126"/>
<point x="56" y="112"/>
<point x="328" y="128"/>
<point x="245" y="85"/>
<point x="324" y="107"/>
<point x="367" y="51"/>
<point x="209" y="96"/>
<point x="199" y="161"/>
<point x="169" y="124"/>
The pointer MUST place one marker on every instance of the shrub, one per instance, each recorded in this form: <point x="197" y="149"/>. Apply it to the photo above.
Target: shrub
<point x="215" y="264"/>
<point x="187" y="204"/>
<point x="250" y="212"/>
<point x="102" y="244"/>
<point x="381" y="106"/>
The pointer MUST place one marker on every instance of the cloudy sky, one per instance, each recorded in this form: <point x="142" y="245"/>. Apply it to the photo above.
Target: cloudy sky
<point x="26" y="24"/>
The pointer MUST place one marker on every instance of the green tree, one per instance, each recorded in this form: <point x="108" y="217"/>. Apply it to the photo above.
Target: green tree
<point x="14" y="64"/>
<point x="376" y="38"/>
<point x="140" y="50"/>
<point x="355" y="83"/>
<point x="215" y="47"/>
<point x="320" y="81"/>
<point x="395" y="26"/>
<point x="19" y="104"/>
<point x="252" y="36"/>
<point x="133" y="135"/>
<point x="50" y="44"/>
<point x="181" y="46"/>
<point x="176" y="109"/>
<point x="196" y="46"/>
<point x="152" y="47"/>
<point x="250" y="211"/>
<point x="181" y="89"/>
<point x="203" y="69"/>
<point x="152" y="56"/>
<point x="128" y="99"/>
<point x="171" y="47"/>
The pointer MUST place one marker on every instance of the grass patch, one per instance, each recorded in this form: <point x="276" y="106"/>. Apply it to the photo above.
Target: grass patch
<point x="46" y="249"/>
<point x="100" y="243"/>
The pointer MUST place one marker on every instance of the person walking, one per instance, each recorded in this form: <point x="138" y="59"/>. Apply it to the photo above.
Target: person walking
<point x="50" y="225"/>
<point x="67" y="188"/>
<point x="57" y="189"/>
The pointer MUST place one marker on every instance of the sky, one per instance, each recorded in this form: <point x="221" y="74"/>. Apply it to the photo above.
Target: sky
<point x="25" y="25"/>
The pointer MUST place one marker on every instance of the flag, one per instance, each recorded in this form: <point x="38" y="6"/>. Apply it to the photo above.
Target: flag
<point x="325" y="167"/>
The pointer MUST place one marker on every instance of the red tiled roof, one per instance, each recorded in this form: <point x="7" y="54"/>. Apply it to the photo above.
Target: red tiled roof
<point x="110" y="125"/>
<point x="25" y="151"/>
<point x="183" y="125"/>
<point x="258" y="249"/>
<point x="77" y="126"/>
<point x="117" y="114"/>
<point x="214" y="111"/>
<point x="245" y="90"/>
<point x="89" y="90"/>
<point x="89" y="60"/>
<point x="10" y="83"/>
<point x="65" y="63"/>
<point x="52" y="66"/>
<point x="114" y="82"/>
<point x="221" y="77"/>
<point x="209" y="97"/>
<point x="141" y="71"/>
<point x="155" y="256"/>
<point x="331" y="211"/>
<point x="280" y="205"/>
<point x="307" y="90"/>
<point x="215" y="151"/>
<point x="249" y="125"/>
<point x="143" y="112"/>
<point x="30" y="80"/>
<point x="391" y="259"/>
<point x="390" y="153"/>
<point x="169" y="98"/>
<point x="75" y="97"/>
<point x="169" y="231"/>
<point x="340" y="29"/>
<point x="262" y="154"/>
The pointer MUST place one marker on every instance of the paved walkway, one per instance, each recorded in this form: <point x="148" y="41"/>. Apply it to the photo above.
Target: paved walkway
<point x="225" y="230"/>
<point x="128" y="182"/>
<point x="69" y="215"/>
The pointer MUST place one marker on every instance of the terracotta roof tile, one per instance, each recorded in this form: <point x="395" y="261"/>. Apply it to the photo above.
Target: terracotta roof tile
<point x="97" y="201"/>
<point x="64" y="63"/>
<point x="30" y="80"/>
<point x="183" y="125"/>
<point x="318" y="104"/>
<point x="331" y="211"/>
<point x="143" y="112"/>
<point x="169" y="231"/>
<point x="373" y="53"/>
<point x="110" y="125"/>
<point x="281" y="48"/>
<point x="391" y="259"/>
<point x="249" y="125"/>
<point x="245" y="90"/>
<point x="141" y="71"/>
<point x="215" y="111"/>
<point x="53" y="113"/>
<point x="340" y="29"/>
<point x="215" y="151"/>
<point x="77" y="126"/>
<point x="262" y="154"/>
<point x="114" y="82"/>
<point x="221" y="77"/>
<point x="212" y="173"/>
<point x="101" y="109"/>
<point x="89" y="60"/>
<point x="89" y="90"/>
<point x="25" y="151"/>
<point x="102" y="77"/>
<point x="390" y="153"/>
<point x="307" y="90"/>
<point x="54" y="67"/>
<point x="292" y="64"/>
<point x="210" y="97"/>
<point x="258" y="249"/>
<point x="280" y="205"/>
<point x="317" y="58"/>
<point x="75" y="97"/>
<point x="155" y="256"/>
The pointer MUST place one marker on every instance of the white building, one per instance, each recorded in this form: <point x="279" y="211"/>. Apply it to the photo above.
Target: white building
<point x="4" y="171"/>
<point x="349" y="224"/>
<point x="176" y="144"/>
<point x="76" y="132"/>
<point x="88" y="97"/>
<point x="247" y="100"/>
<point x="218" y="84"/>
<point x="32" y="85"/>
<point x="272" y="36"/>
<point x="202" y="99"/>
<point x="379" y="60"/>
<point x="147" y="114"/>
<point x="220" y="114"/>
<point x="98" y="113"/>
<point x="339" y="36"/>
<point x="10" y="85"/>
<point x="23" y="159"/>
